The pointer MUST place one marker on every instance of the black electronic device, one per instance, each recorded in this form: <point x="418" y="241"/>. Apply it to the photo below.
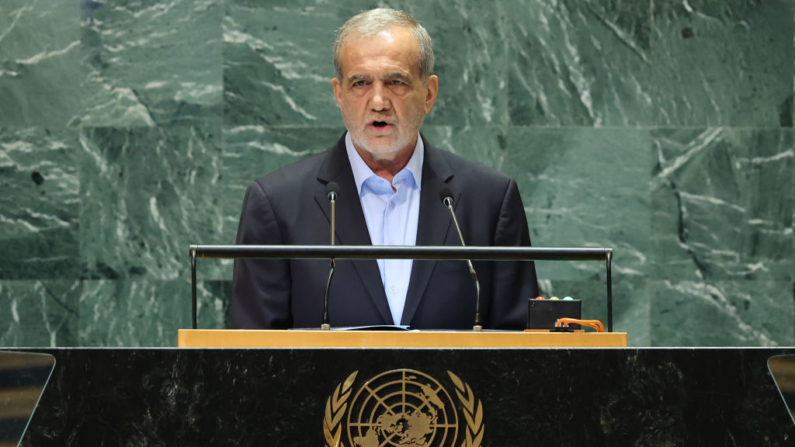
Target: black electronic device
<point x="542" y="313"/>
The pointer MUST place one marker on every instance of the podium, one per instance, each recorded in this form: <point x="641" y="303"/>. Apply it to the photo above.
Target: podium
<point x="194" y="338"/>
<point x="279" y="396"/>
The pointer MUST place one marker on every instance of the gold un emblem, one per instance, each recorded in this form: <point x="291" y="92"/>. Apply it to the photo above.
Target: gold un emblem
<point x="402" y="408"/>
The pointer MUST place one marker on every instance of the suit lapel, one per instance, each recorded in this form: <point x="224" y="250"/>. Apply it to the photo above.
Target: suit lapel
<point x="434" y="222"/>
<point x="351" y="226"/>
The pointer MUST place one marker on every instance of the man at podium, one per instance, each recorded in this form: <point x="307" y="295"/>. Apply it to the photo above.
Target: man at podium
<point x="389" y="181"/>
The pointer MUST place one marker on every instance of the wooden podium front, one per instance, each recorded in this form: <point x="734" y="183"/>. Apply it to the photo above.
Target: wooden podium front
<point x="196" y="338"/>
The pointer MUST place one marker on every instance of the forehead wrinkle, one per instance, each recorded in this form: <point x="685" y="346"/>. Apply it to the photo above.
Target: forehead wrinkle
<point x="383" y="49"/>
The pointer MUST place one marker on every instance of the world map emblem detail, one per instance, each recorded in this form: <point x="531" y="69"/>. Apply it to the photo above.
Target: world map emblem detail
<point x="403" y="408"/>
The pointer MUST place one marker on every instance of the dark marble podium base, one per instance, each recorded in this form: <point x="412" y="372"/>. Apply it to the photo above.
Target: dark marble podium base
<point x="277" y="397"/>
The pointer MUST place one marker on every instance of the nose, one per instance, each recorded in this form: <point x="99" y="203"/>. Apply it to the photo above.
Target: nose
<point x="380" y="99"/>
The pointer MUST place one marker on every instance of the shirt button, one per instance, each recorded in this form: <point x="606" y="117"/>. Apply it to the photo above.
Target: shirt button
<point x="391" y="205"/>
<point x="393" y="289"/>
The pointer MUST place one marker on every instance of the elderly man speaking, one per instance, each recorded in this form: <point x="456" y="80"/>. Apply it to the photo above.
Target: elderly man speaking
<point x="389" y="180"/>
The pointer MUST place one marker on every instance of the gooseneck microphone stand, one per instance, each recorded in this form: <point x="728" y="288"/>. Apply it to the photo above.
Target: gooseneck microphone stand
<point x="447" y="199"/>
<point x="331" y="192"/>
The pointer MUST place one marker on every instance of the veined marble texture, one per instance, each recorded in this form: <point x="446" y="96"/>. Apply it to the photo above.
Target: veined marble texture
<point x="130" y="129"/>
<point x="615" y="63"/>
<point x="147" y="194"/>
<point x="39" y="203"/>
<point x="114" y="313"/>
<point x="722" y="203"/>
<point x="40" y="71"/>
<point x="722" y="313"/>
<point x="722" y="233"/>
<point x="575" y="62"/>
<point x="485" y="144"/>
<point x="726" y="63"/>
<point x="585" y="187"/>
<point x="277" y="63"/>
<point x="149" y="62"/>
<point x="39" y="312"/>
<point x="144" y="312"/>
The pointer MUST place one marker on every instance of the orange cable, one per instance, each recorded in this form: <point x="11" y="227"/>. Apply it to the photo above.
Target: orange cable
<point x="595" y="324"/>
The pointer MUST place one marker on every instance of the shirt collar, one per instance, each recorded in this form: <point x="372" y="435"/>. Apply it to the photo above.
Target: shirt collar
<point x="362" y="172"/>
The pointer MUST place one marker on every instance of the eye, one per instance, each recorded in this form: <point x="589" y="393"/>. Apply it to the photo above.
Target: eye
<point x="359" y="84"/>
<point x="396" y="82"/>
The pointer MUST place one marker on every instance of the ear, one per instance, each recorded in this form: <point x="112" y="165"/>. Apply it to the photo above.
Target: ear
<point x="431" y="90"/>
<point x="337" y="86"/>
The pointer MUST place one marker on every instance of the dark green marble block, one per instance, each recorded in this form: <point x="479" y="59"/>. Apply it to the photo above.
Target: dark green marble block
<point x="129" y="129"/>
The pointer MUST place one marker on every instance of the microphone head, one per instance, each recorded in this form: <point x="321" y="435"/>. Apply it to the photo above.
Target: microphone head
<point x="446" y="194"/>
<point x="332" y="190"/>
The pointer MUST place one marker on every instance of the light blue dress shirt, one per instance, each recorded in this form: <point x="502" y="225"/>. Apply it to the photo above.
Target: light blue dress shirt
<point x="391" y="217"/>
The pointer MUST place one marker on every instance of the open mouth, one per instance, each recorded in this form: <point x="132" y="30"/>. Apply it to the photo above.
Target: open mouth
<point x="380" y="124"/>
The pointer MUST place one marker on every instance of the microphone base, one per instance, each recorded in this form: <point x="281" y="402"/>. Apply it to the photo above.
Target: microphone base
<point x="325" y="327"/>
<point x="477" y="328"/>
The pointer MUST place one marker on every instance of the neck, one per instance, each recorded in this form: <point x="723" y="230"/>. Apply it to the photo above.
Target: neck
<point x="387" y="168"/>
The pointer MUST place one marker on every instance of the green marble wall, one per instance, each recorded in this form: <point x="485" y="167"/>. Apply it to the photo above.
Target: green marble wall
<point x="129" y="129"/>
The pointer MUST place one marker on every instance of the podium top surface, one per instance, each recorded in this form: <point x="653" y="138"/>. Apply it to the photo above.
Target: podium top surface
<point x="196" y="338"/>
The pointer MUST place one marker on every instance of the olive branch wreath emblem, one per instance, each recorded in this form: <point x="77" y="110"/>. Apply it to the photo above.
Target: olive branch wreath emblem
<point x="472" y="413"/>
<point x="337" y="403"/>
<point x="335" y="409"/>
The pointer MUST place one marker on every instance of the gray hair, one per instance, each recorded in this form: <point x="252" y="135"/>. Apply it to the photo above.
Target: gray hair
<point x="372" y="22"/>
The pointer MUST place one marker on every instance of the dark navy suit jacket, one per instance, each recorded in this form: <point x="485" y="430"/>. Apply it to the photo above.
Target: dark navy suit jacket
<point x="289" y="206"/>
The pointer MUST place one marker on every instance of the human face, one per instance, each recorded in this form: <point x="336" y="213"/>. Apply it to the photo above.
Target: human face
<point x="381" y="95"/>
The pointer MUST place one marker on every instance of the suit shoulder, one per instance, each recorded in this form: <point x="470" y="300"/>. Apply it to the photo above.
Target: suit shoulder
<point x="288" y="177"/>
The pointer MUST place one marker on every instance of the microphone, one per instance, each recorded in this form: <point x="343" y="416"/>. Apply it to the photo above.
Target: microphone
<point x="332" y="190"/>
<point x="447" y="199"/>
